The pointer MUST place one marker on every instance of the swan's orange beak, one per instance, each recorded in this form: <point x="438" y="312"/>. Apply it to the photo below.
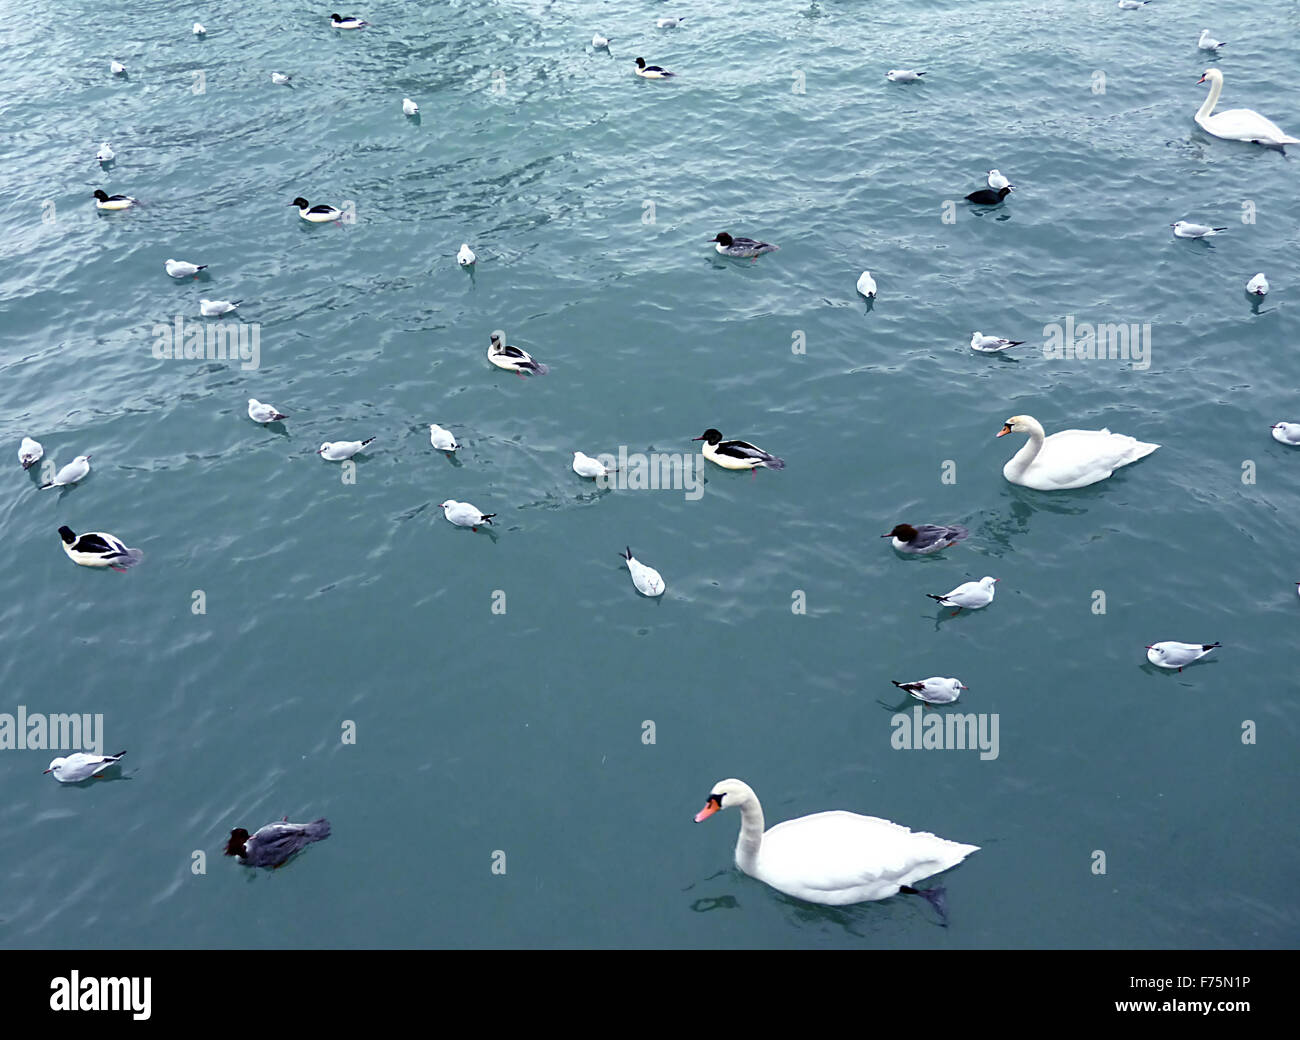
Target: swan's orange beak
<point x="1201" y="80"/>
<point x="1006" y="428"/>
<point x="709" y="809"/>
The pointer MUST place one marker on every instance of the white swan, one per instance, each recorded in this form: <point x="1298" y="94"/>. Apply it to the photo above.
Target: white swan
<point x="835" y="857"/>
<point x="1070" y="458"/>
<point x="1237" y="124"/>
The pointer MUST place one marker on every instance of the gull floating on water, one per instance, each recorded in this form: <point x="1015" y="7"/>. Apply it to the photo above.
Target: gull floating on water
<point x="198" y="29"/>
<point x="105" y="153"/>
<point x="263" y="413"/>
<point x="1258" y="286"/>
<point x="586" y="466"/>
<point x="276" y="843"/>
<point x="74" y="768"/>
<point x="599" y="41"/>
<point x="103" y="200"/>
<point x="117" y="68"/>
<point x="1186" y="229"/>
<point x="337" y="451"/>
<point x="1208" y="42"/>
<point x="441" y="439"/>
<point x="903" y="75"/>
<point x="670" y="23"/>
<point x="867" y="285"/>
<point x="280" y="79"/>
<point x="933" y="690"/>
<point x="70" y="474"/>
<point x="1287" y="433"/>
<point x="465" y="257"/>
<point x="30" y="452"/>
<point x="928" y="538"/>
<point x="462" y="514"/>
<point x="216" y="308"/>
<point x="409" y="106"/>
<point x="98" y="549"/>
<point x="1131" y="5"/>
<point x="1172" y="654"/>
<point x="971" y="594"/>
<point x="646" y="579"/>
<point x="991" y="344"/>
<point x="182" y="268"/>
<point x="997" y="182"/>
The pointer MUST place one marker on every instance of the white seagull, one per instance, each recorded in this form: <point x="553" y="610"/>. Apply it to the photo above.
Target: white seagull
<point x="409" y="106"/>
<point x="465" y="257"/>
<point x="1172" y="654"/>
<point x="117" y="68"/>
<point x="182" y="268"/>
<point x="867" y="285"/>
<point x="991" y="344"/>
<point x="1131" y="5"/>
<point x="105" y="153"/>
<point x="1258" y="286"/>
<point x="972" y="595"/>
<point x="933" y="690"/>
<point x="280" y="79"/>
<point x="903" y="75"/>
<point x="1186" y="229"/>
<point x="70" y="474"/>
<point x="586" y="466"/>
<point x="997" y="182"/>
<point x="199" y="30"/>
<point x="80" y="766"/>
<point x="441" y="439"/>
<point x="263" y="413"/>
<point x="462" y="514"/>
<point x="216" y="308"/>
<point x="670" y="23"/>
<point x="30" y="452"/>
<point x="1287" y="433"/>
<point x="337" y="451"/>
<point x="646" y="579"/>
<point x="599" y="41"/>
<point x="1208" y="42"/>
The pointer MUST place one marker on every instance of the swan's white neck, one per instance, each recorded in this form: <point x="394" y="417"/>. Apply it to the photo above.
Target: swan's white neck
<point x="751" y="835"/>
<point x="1026" y="455"/>
<point x="1211" y="99"/>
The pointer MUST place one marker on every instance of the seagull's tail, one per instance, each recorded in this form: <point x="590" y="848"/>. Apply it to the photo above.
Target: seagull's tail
<point x="1207" y="647"/>
<point x="47" y="484"/>
<point x="126" y="559"/>
<point x="1218" y="229"/>
<point x="628" y="556"/>
<point x="934" y="597"/>
<point x="201" y="267"/>
<point x="486" y="518"/>
<point x="366" y="441"/>
<point x="117" y="756"/>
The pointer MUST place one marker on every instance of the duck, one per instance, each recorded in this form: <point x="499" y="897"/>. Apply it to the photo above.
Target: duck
<point x="30" y="452"/>
<point x="513" y="359"/>
<point x="928" y="538"/>
<point x="989" y="197"/>
<point x="105" y="201"/>
<point x="316" y="214"/>
<point x="867" y="285"/>
<point x="79" y="766"/>
<point x="69" y="474"/>
<point x="652" y="71"/>
<point x="263" y="413"/>
<point x="971" y="595"/>
<point x="462" y="514"/>
<point x="647" y="580"/>
<point x="98" y="549"/>
<point x="833" y="858"/>
<point x="347" y="22"/>
<point x="736" y="454"/>
<point x="276" y="843"/>
<point x="741" y="248"/>
<point x="183" y="268"/>
<point x="337" y="451"/>
<point x="1286" y="433"/>
<point x="992" y="344"/>
<point x="409" y="107"/>
<point x="1069" y="458"/>
<point x="1238" y="124"/>
<point x="934" y="690"/>
<point x="1176" y="655"/>
<point x="1258" y="286"/>
<point x="903" y="75"/>
<point x="441" y="439"/>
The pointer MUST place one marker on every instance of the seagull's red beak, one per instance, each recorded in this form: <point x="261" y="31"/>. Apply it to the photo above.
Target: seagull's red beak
<point x="44" y="771"/>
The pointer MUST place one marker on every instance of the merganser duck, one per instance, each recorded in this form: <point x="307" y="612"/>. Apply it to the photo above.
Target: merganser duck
<point x="1177" y="655"/>
<point x="462" y="514"/>
<point x="276" y="843"/>
<point x="98" y="549"/>
<point x="989" y="197"/>
<point x="646" y="579"/>
<point x="652" y="71"/>
<point x="441" y="439"/>
<point x="316" y="214"/>
<point x="992" y="344"/>
<point x="30" y="452"/>
<point x="337" y="451"/>
<point x="1283" y="432"/>
<point x="741" y="248"/>
<point x="928" y="538"/>
<point x="736" y="454"/>
<point x="111" y="202"/>
<point x="934" y="690"/>
<point x="70" y="474"/>
<point x="971" y="594"/>
<point x="183" y="268"/>
<point x="512" y="359"/>
<point x="347" y="22"/>
<point x="263" y="413"/>
<point x="74" y="768"/>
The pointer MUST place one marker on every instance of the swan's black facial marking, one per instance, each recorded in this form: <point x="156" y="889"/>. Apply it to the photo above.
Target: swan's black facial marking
<point x="715" y="799"/>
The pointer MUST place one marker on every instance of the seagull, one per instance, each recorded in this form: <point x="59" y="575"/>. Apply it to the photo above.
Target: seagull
<point x="80" y="766"/>
<point x="997" y="182"/>
<point x="465" y="257"/>
<point x="462" y="514"/>
<point x="989" y="197"/>
<point x="182" y="268"/>
<point x="513" y="359"/>
<point x="70" y="474"/>
<point x="741" y="248"/>
<point x="928" y="538"/>
<point x="933" y="690"/>
<point x="347" y="22"/>
<point x="105" y="201"/>
<point x="646" y="579"/>
<point x="199" y="30"/>
<point x="586" y="466"/>
<point x="105" y="153"/>
<point x="972" y="595"/>
<point x="263" y="413"/>
<point x="316" y="214"/>
<point x="216" y="308"/>
<point x="1283" y="433"/>
<point x="867" y="285"/>
<point x="991" y="344"/>
<point x="409" y="106"/>
<point x="441" y="439"/>
<point x="1131" y="5"/>
<point x="276" y="843"/>
<point x="280" y="79"/>
<point x="903" y="75"/>
<point x="652" y="71"/>
<point x="30" y="452"/>
<point x="598" y="41"/>
<point x="118" y="68"/>
<point x="670" y="23"/>
<point x="1258" y="286"/>
<point x="98" y="549"/>
<point x="337" y="451"/>
<point x="1208" y="42"/>
<point x="1173" y="654"/>
<point x="1186" y="229"/>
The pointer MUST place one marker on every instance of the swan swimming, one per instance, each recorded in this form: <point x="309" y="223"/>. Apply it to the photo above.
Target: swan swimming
<point x="1068" y="458"/>
<point x="1238" y="124"/>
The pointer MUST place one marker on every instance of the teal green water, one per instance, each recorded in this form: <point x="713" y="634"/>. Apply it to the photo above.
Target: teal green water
<point x="522" y="733"/>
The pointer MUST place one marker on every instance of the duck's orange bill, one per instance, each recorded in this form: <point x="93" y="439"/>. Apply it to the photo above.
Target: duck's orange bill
<point x="706" y="812"/>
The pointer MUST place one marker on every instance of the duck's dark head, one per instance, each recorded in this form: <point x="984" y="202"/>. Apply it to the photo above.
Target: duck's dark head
<point x="66" y="534"/>
<point x="1004" y="192"/>
<point x="640" y="63"/>
<point x="300" y="202"/>
<point x="237" y="845"/>
<point x="709" y="437"/>
<point x="101" y="194"/>
<point x="723" y="239"/>
<point x="903" y="532"/>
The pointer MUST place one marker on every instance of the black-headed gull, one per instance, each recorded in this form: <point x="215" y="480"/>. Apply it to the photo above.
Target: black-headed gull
<point x="1172" y="654"/>
<point x="182" y="268"/>
<point x="736" y="454"/>
<point x="263" y="413"/>
<point x="1208" y="42"/>
<point x="216" y="308"/>
<point x="867" y="285"/>
<point x="117" y="68"/>
<point x="199" y="30"/>
<point x="991" y="344"/>
<point x="98" y="549"/>
<point x="903" y="75"/>
<point x="1131" y="5"/>
<point x="928" y="538"/>
<point x="71" y="473"/>
<point x="1287" y="432"/>
<point x="513" y="359"/>
<point x="646" y="579"/>
<point x="1258" y="286"/>
<point x="441" y="439"/>
<point x="971" y="594"/>
<point x="462" y="514"/>
<point x="598" y="41"/>
<point x="346" y="21"/>
<point x="276" y="843"/>
<point x="997" y="182"/>
<point x="280" y="79"/>
<point x="79" y="766"/>
<point x="103" y="200"/>
<point x="1186" y="229"/>
<point x="586" y="466"/>
<point x="337" y="451"/>
<point x="409" y="107"/>
<point x="30" y="452"/>
<point x="933" y="690"/>
<point x="105" y="153"/>
<point x="465" y="257"/>
<point x="670" y="23"/>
